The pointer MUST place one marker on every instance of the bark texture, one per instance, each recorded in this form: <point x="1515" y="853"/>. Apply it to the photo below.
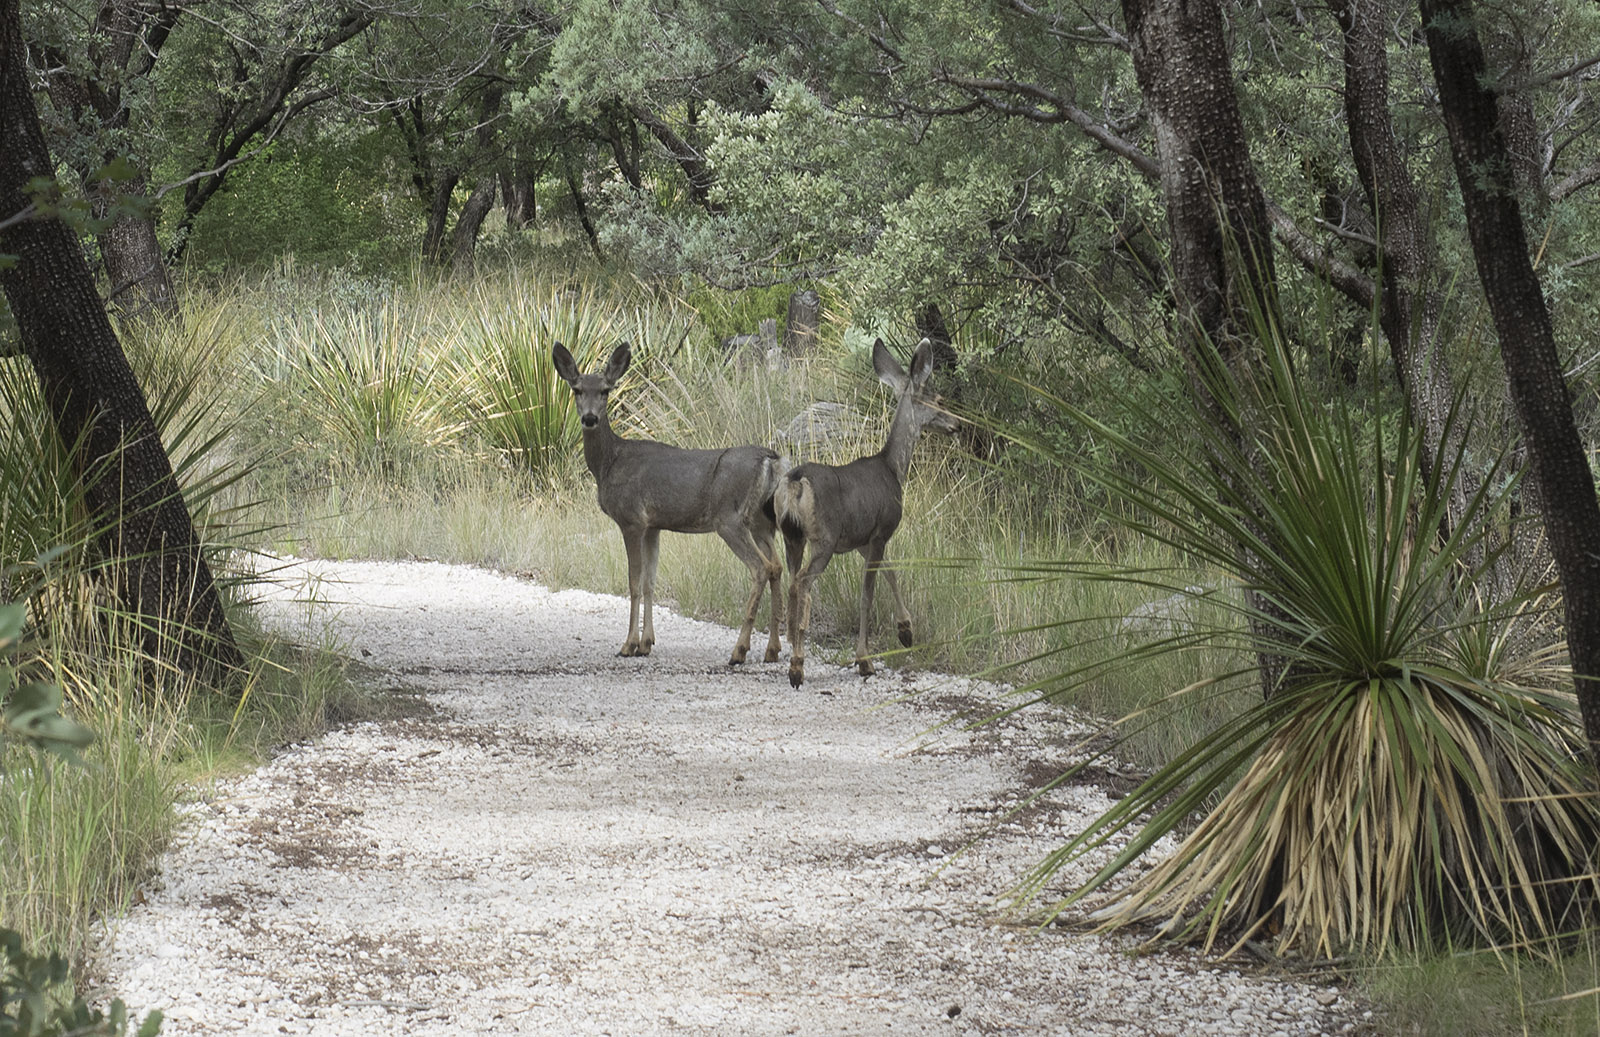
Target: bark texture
<point x="1409" y="300"/>
<point x="1221" y="243"/>
<point x="1485" y="171"/>
<point x="144" y="527"/>
<point x="127" y="39"/>
<point x="1212" y="197"/>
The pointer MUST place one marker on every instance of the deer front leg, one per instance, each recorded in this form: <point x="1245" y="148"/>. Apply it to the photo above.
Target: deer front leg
<point x="635" y="547"/>
<point x="872" y="554"/>
<point x="652" y="555"/>
<point x="902" y="615"/>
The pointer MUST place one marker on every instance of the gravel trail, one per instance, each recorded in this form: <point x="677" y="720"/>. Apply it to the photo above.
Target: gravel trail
<point x="568" y="842"/>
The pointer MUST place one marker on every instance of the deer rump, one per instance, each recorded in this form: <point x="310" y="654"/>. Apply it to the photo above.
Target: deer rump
<point x="861" y="505"/>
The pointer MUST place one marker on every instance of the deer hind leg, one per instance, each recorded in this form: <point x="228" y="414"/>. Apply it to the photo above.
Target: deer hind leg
<point x="652" y="556"/>
<point x="800" y="602"/>
<point x="744" y="546"/>
<point x="774" y="575"/>
<point x="635" y="547"/>
<point x="794" y="548"/>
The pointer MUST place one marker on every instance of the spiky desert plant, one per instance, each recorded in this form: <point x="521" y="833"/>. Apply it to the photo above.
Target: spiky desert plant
<point x="1415" y="775"/>
<point x="367" y="382"/>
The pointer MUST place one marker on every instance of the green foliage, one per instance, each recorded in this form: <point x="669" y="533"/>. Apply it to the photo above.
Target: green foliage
<point x="28" y="986"/>
<point x="328" y="201"/>
<point x="1401" y="784"/>
<point x="29" y="711"/>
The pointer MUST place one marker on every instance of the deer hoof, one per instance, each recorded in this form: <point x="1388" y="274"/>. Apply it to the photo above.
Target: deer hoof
<point x="905" y="634"/>
<point x="797" y="675"/>
<point x="737" y="658"/>
<point x="771" y="656"/>
<point x="864" y="667"/>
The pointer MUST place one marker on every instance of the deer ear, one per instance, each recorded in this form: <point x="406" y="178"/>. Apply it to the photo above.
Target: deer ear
<point x="566" y="367"/>
<point x="922" y="363"/>
<point x="621" y="357"/>
<point x="889" y="370"/>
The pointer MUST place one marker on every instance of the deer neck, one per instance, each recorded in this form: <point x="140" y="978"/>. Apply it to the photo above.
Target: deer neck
<point x="600" y="446"/>
<point x="903" y="433"/>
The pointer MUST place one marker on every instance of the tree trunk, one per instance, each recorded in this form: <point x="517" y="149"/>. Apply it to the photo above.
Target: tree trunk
<point x="931" y="326"/>
<point x="1217" y="216"/>
<point x="575" y="185"/>
<point x="144" y="527"/>
<point x="439" y="216"/>
<point x="1181" y="60"/>
<point x="464" y="241"/>
<point x="517" y="191"/>
<point x="801" y="324"/>
<point x="1409" y="303"/>
<point x="135" y="267"/>
<point x="1485" y="172"/>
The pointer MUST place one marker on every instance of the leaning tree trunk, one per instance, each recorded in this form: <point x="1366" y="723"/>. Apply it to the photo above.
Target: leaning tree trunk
<point x="144" y="529"/>
<point x="1221" y="242"/>
<point x="1486" y="174"/>
<point x="464" y="240"/>
<point x="439" y="216"/>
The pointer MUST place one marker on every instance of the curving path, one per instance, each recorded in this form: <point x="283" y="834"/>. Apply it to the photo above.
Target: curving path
<point x="566" y="842"/>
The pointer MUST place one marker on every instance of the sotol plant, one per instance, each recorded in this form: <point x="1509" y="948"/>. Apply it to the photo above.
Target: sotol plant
<point x="1416" y="775"/>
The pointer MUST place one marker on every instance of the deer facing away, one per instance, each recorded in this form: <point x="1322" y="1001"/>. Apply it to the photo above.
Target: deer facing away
<point x="646" y="487"/>
<point x="831" y="509"/>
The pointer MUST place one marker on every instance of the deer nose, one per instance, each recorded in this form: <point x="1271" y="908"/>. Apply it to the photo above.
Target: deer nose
<point x="590" y="420"/>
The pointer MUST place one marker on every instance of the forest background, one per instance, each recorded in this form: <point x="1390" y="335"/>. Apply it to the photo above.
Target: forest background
<point x="339" y="241"/>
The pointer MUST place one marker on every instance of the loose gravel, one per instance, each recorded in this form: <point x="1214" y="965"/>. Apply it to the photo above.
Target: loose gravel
<point x="568" y="842"/>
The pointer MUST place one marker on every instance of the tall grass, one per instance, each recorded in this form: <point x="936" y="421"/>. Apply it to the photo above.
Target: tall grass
<point x="501" y="480"/>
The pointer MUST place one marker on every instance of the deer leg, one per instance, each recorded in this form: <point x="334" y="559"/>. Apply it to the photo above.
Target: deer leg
<point x="797" y="633"/>
<point x="902" y="615"/>
<point x="795" y="550"/>
<point x="744" y="547"/>
<point x="872" y="556"/>
<point x="774" y="574"/>
<point x="635" y="548"/>
<point x="652" y="555"/>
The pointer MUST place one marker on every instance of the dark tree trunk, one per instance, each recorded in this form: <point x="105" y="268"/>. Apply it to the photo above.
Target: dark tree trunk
<point x="621" y="131"/>
<point x="931" y="326"/>
<point x="144" y="527"/>
<point x="1486" y="174"/>
<point x="135" y="266"/>
<point x="1181" y="60"/>
<point x="1409" y="302"/>
<point x="575" y="186"/>
<point x="439" y="216"/>
<point x="127" y="40"/>
<point x="696" y="170"/>
<point x="518" y="178"/>
<point x="464" y="241"/>
<point x="1221" y="243"/>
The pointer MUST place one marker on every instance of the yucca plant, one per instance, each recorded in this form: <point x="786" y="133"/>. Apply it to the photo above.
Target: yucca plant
<point x="1415" y="775"/>
<point x="504" y="375"/>
<point x="371" y="388"/>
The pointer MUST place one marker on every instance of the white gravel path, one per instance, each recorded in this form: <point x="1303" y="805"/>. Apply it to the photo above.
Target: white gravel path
<point x="575" y="843"/>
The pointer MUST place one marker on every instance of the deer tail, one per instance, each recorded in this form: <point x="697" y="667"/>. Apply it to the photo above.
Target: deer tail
<point x="792" y="503"/>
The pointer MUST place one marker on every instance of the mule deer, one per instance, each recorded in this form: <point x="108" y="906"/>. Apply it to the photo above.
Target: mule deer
<point x="831" y="509"/>
<point x="646" y="487"/>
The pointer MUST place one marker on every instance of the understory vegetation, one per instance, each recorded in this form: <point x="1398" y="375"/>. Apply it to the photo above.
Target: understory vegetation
<point x="1276" y="460"/>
